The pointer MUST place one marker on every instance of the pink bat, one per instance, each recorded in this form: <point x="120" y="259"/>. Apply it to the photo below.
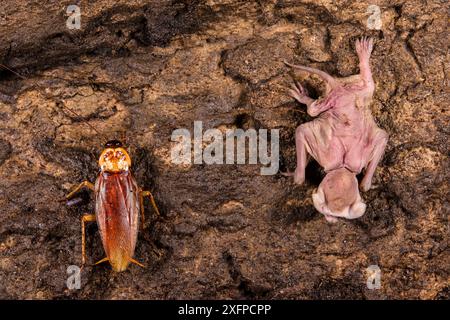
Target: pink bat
<point x="344" y="139"/>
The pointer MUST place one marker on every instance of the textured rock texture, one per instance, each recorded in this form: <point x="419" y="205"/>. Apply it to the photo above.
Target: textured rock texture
<point x="149" y="67"/>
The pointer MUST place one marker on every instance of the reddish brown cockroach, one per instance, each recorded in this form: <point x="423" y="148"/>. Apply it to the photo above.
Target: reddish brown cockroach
<point x="118" y="204"/>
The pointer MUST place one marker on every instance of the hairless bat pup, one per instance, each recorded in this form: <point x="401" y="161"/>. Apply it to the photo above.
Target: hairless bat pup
<point x="343" y="139"/>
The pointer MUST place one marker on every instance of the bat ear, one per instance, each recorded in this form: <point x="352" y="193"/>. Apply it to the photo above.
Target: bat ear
<point x="357" y="209"/>
<point x="319" y="201"/>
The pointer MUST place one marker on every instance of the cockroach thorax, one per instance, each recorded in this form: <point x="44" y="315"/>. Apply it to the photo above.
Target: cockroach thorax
<point x="114" y="158"/>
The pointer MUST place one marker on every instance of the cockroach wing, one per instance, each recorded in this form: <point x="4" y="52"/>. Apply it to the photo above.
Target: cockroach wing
<point x="117" y="209"/>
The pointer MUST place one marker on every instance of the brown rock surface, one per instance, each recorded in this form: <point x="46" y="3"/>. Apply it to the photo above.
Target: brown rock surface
<point x="149" y="67"/>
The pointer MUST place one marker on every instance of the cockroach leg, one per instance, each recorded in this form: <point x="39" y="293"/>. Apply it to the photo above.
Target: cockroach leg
<point x="84" y="184"/>
<point x="152" y="200"/>
<point x="101" y="261"/>
<point x="138" y="263"/>
<point x="141" y="200"/>
<point x="85" y="218"/>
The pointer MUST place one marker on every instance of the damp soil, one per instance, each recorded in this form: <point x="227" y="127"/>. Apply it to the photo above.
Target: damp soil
<point x="142" y="69"/>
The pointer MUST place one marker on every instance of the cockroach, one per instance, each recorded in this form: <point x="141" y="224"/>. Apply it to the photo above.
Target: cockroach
<point x="119" y="203"/>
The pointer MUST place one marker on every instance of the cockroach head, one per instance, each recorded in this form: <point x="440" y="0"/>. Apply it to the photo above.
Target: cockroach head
<point x="114" y="144"/>
<point x="114" y="157"/>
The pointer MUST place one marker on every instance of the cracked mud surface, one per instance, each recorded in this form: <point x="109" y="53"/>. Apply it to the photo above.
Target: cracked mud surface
<point x="149" y="67"/>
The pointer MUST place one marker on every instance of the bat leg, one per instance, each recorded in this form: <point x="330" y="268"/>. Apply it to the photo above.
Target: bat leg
<point x="380" y="142"/>
<point x="302" y="159"/>
<point x="364" y="49"/>
<point x="84" y="184"/>
<point x="85" y="218"/>
<point x="152" y="200"/>
<point x="136" y="262"/>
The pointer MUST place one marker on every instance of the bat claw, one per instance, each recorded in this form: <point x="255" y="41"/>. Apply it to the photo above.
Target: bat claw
<point x="364" y="46"/>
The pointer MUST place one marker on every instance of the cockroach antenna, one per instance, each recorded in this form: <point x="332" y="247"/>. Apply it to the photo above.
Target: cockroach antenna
<point x="42" y="91"/>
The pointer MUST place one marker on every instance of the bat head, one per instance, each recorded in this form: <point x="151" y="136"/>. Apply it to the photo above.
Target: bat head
<point x="338" y="196"/>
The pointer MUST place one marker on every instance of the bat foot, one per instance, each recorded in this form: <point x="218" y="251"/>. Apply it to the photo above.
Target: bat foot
<point x="364" y="47"/>
<point x="287" y="173"/>
<point x="299" y="93"/>
<point x="365" y="185"/>
<point x="299" y="178"/>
